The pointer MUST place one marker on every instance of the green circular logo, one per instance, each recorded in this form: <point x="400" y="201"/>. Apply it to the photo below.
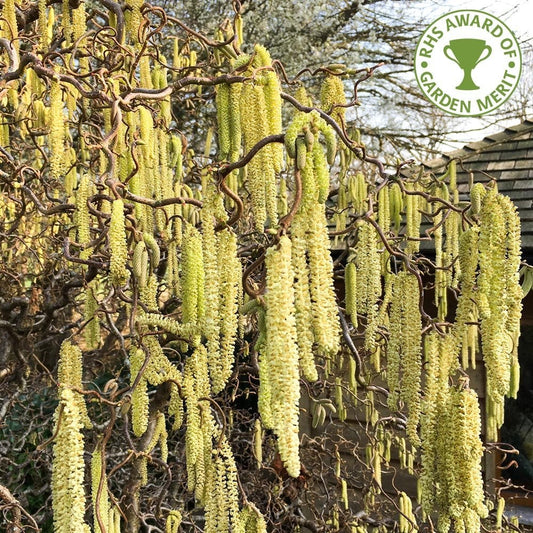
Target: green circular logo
<point x="468" y="63"/>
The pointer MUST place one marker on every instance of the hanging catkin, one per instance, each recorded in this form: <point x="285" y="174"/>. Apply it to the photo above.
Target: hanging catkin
<point x="498" y="298"/>
<point x="222" y="508"/>
<point x="99" y="497"/>
<point x="460" y="497"/>
<point x="117" y="244"/>
<point x="211" y="319"/>
<point x="302" y="301"/>
<point x="193" y="275"/>
<point x="200" y="425"/>
<point x="272" y="91"/>
<point x="224" y="120"/>
<point x="139" y="396"/>
<point x="332" y="95"/>
<point x="57" y="130"/>
<point x="281" y="354"/>
<point x="82" y="215"/>
<point x="404" y="359"/>
<point x="68" y="494"/>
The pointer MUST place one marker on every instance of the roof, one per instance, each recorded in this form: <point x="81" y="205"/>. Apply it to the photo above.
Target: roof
<point x="506" y="156"/>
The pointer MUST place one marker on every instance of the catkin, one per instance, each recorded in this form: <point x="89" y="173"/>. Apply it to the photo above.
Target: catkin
<point x="69" y="375"/>
<point x="252" y="521"/>
<point x="99" y="497"/>
<point x="302" y="301"/>
<point x="235" y="121"/>
<point x="92" y="329"/>
<point x="224" y="120"/>
<point x="460" y="499"/>
<point x="332" y="95"/>
<point x="57" y="130"/>
<point x="117" y="244"/>
<point x="82" y="215"/>
<point x="68" y="495"/>
<point x="499" y="296"/>
<point x="173" y="522"/>
<point x="193" y="275"/>
<point x="261" y="176"/>
<point x="350" y="291"/>
<point x="282" y="353"/>
<point x="272" y="92"/>
<point x="404" y="357"/>
<point x="200" y="425"/>
<point x="413" y="217"/>
<point x="222" y="508"/>
<point x="230" y="277"/>
<point x="139" y="396"/>
<point x="368" y="265"/>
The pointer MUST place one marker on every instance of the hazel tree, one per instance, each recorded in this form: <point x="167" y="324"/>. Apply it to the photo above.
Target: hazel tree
<point x="237" y="339"/>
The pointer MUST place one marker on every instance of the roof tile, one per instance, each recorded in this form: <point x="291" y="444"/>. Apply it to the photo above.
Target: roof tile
<point x="523" y="184"/>
<point x="500" y="165"/>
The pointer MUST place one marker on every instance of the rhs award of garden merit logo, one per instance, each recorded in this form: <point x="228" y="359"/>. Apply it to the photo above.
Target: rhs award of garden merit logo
<point x="468" y="63"/>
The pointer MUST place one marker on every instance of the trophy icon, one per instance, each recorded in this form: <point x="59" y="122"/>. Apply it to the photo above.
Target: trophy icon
<point x="467" y="53"/>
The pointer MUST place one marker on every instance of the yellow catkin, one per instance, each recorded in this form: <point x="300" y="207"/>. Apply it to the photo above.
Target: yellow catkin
<point x="193" y="276"/>
<point x="211" y="321"/>
<point x="173" y="522"/>
<point x="413" y="218"/>
<point x="332" y="93"/>
<point x="272" y="92"/>
<point x="8" y="25"/>
<point x="261" y="177"/>
<point x="440" y="363"/>
<point x="368" y="265"/>
<point x="460" y="497"/>
<point x="117" y="244"/>
<point x="252" y="521"/>
<point x="235" y="121"/>
<point x="133" y="19"/>
<point x="396" y="206"/>
<point x="57" y="130"/>
<point x="499" y="259"/>
<point x="92" y="329"/>
<point x="139" y="396"/>
<point x="281" y="354"/>
<point x="42" y="25"/>
<point x="68" y="495"/>
<point x="82" y="215"/>
<point x="404" y="360"/>
<point x="466" y="304"/>
<point x="321" y="170"/>
<point x="441" y="290"/>
<point x="384" y="211"/>
<point x="175" y="407"/>
<point x="69" y="375"/>
<point x="160" y="369"/>
<point x="512" y="281"/>
<point x="160" y="436"/>
<point x="222" y="508"/>
<point x="230" y="276"/>
<point x="476" y="196"/>
<point x="302" y="301"/>
<point x="102" y="509"/>
<point x="79" y="26"/>
<point x="200" y="424"/>
<point x="66" y="22"/>
<point x="325" y="315"/>
<point x="451" y="249"/>
<point x="350" y="292"/>
<point x="223" y="119"/>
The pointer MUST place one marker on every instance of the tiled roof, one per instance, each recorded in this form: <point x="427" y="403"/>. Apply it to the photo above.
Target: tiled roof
<point x="507" y="157"/>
